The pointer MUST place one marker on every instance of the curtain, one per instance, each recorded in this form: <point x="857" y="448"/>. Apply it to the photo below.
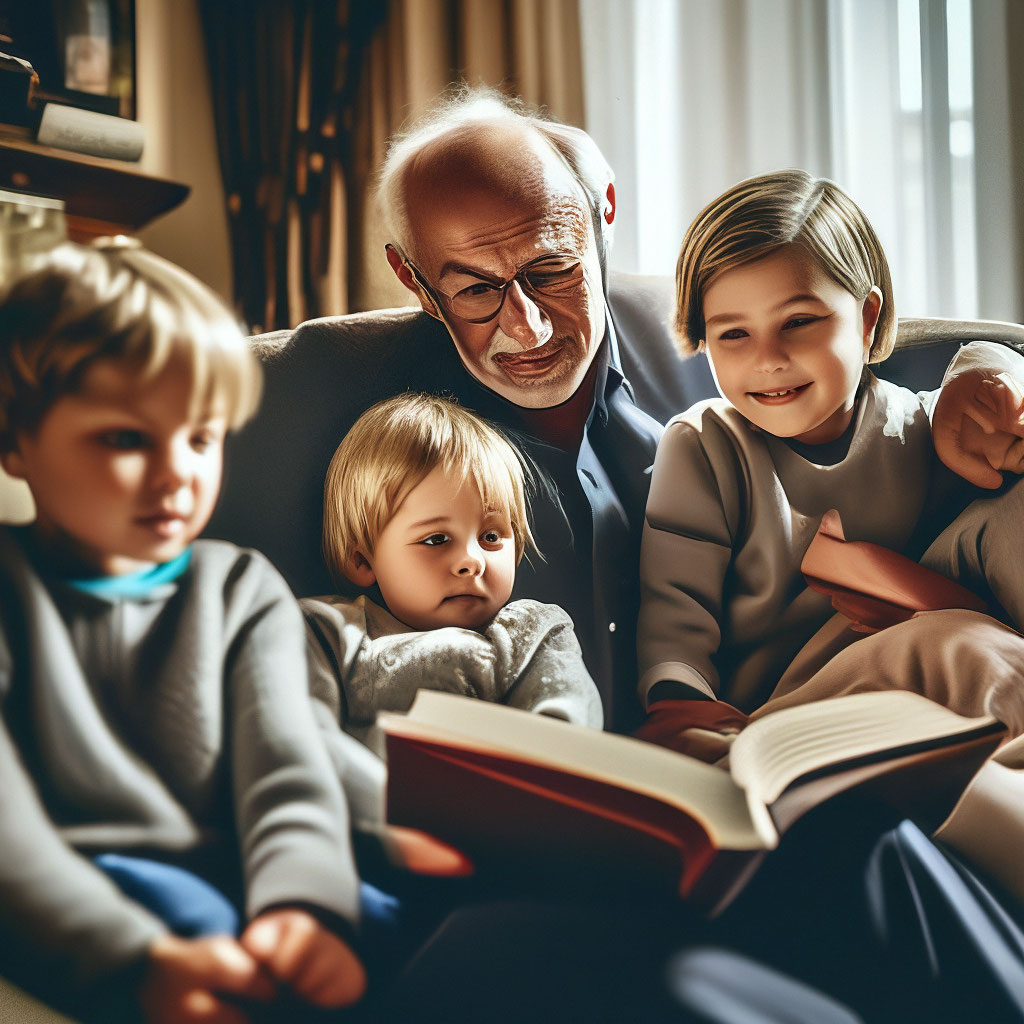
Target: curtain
<point x="902" y="102"/>
<point x="284" y="78"/>
<point x="997" y="39"/>
<point x="306" y="95"/>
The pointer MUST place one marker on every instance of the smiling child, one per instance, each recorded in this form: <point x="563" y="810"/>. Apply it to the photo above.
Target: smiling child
<point x="783" y="283"/>
<point x="426" y="503"/>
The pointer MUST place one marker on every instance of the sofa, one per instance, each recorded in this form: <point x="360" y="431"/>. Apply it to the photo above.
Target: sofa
<point x="275" y="466"/>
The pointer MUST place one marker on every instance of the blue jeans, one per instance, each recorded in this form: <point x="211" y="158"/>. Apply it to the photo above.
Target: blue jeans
<point x="186" y="903"/>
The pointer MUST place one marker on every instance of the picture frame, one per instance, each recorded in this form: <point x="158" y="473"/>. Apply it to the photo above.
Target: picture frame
<point x="82" y="50"/>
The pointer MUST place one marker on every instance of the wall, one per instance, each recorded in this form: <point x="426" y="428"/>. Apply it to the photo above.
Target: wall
<point x="173" y="99"/>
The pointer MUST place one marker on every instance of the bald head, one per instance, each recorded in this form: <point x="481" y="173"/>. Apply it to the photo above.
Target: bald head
<point x="468" y="126"/>
<point x="483" y="182"/>
<point x="496" y="152"/>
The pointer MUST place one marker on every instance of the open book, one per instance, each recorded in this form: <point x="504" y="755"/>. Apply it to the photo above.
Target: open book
<point x="500" y="783"/>
<point x="873" y="586"/>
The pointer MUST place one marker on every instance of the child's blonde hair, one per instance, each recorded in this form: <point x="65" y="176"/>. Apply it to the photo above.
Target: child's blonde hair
<point x="761" y="215"/>
<point x="395" y="445"/>
<point x="115" y="300"/>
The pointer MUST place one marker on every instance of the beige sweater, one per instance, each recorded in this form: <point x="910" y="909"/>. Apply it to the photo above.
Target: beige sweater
<point x="724" y="607"/>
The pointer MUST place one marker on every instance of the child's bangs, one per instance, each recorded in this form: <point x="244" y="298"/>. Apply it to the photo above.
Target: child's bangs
<point x="225" y="374"/>
<point x="500" y="479"/>
<point x="834" y="247"/>
<point x="495" y="481"/>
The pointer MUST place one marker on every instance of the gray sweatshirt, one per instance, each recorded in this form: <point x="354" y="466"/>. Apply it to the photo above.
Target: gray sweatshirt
<point x="732" y="509"/>
<point x="178" y="722"/>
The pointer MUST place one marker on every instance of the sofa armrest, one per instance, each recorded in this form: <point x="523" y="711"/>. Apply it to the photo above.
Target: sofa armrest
<point x="17" y="1005"/>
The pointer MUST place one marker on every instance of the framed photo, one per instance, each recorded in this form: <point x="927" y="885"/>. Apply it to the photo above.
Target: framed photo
<point x="82" y="50"/>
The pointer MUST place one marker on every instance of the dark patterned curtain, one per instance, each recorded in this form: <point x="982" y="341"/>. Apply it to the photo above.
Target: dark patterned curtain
<point x="306" y="94"/>
<point x="284" y="77"/>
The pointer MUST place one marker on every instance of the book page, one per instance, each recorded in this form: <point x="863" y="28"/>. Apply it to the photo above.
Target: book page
<point x="709" y="794"/>
<point x="774" y="751"/>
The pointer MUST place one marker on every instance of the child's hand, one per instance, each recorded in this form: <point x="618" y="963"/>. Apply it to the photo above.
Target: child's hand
<point x="978" y="426"/>
<point x="703" y="729"/>
<point x="304" y="955"/>
<point x="424" y="854"/>
<point x="185" y="981"/>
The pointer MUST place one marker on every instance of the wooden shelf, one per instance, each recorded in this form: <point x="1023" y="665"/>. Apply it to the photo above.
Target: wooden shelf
<point x="100" y="196"/>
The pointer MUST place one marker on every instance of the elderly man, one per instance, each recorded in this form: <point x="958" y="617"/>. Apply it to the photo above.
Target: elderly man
<point x="500" y="224"/>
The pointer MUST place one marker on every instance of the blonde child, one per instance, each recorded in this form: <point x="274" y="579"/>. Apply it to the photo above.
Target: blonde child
<point x="426" y="503"/>
<point x="782" y="282"/>
<point x="161" y="764"/>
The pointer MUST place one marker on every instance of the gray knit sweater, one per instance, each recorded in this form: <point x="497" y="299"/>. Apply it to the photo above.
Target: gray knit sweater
<point x="364" y="660"/>
<point x="175" y="722"/>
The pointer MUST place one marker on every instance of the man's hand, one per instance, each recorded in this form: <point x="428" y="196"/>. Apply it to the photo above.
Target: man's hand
<point x="978" y="426"/>
<point x="301" y="953"/>
<point x="186" y="981"/>
<point x="703" y="729"/>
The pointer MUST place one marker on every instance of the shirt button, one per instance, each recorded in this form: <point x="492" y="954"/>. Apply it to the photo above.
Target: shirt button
<point x="611" y="627"/>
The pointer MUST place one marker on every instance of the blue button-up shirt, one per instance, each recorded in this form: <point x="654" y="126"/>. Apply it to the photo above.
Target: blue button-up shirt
<point x="590" y="536"/>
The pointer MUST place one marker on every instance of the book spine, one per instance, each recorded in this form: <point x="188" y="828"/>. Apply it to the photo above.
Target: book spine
<point x="85" y="131"/>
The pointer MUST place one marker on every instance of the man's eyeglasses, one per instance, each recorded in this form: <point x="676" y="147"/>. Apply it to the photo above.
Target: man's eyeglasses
<point x="553" y="275"/>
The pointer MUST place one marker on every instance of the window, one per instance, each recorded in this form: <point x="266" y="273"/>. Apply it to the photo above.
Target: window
<point x="686" y="97"/>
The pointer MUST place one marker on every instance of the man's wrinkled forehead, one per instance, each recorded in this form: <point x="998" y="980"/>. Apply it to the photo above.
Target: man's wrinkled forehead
<point x="491" y="182"/>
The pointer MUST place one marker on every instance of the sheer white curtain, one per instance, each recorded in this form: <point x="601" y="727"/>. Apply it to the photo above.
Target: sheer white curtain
<point x="687" y="97"/>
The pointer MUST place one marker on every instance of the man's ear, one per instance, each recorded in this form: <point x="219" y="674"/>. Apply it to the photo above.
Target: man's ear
<point x="359" y="571"/>
<point x="405" y="275"/>
<point x="608" y="206"/>
<point x="870" y="311"/>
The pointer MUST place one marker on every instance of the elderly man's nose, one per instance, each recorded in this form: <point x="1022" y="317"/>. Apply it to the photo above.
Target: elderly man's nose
<point x="522" y="319"/>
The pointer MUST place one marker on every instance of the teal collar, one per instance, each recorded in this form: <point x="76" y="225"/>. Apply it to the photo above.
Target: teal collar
<point x="135" y="584"/>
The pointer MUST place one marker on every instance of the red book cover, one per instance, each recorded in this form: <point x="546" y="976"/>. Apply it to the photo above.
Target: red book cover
<point x="873" y="586"/>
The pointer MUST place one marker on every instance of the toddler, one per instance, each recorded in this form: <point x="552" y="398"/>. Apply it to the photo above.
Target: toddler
<point x="783" y="284"/>
<point x="161" y="764"/>
<point x="427" y="503"/>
